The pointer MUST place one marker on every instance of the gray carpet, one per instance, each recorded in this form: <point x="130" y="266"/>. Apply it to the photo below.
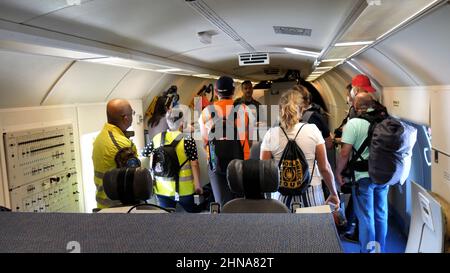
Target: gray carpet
<point x="169" y="233"/>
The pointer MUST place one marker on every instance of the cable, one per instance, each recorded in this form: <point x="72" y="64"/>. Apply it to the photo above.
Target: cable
<point x="151" y="205"/>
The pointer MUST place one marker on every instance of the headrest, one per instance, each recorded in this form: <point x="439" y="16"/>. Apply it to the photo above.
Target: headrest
<point x="253" y="177"/>
<point x="129" y="185"/>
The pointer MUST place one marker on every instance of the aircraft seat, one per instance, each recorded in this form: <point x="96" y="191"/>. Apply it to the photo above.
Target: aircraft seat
<point x="253" y="178"/>
<point x="132" y="186"/>
<point x="427" y="229"/>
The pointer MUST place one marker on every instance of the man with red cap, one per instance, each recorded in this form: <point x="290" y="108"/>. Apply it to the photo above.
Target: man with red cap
<point x="361" y="83"/>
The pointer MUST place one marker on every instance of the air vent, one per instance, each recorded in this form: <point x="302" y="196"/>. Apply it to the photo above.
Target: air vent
<point x="256" y="58"/>
<point x="293" y="31"/>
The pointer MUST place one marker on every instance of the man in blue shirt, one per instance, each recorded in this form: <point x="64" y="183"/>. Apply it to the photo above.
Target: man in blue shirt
<point x="370" y="199"/>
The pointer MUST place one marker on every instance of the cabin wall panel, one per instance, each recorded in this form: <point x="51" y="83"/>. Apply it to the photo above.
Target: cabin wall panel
<point x="409" y="103"/>
<point x="17" y="119"/>
<point x="87" y="120"/>
<point x="86" y="83"/>
<point x="440" y="113"/>
<point x="26" y="78"/>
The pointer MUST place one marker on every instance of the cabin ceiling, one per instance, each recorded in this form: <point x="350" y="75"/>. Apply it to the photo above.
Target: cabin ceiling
<point x="152" y="27"/>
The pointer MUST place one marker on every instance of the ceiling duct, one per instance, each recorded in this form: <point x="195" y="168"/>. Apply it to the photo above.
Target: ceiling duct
<point x="209" y="14"/>
<point x="257" y="58"/>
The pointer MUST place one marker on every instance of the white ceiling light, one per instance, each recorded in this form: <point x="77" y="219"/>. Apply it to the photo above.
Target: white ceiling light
<point x="168" y="70"/>
<point x="302" y="52"/>
<point x="354" y="43"/>
<point x="324" y="68"/>
<point x="332" y="60"/>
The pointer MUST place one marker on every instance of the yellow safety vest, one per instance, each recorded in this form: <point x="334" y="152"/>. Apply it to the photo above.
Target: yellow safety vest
<point x="166" y="186"/>
<point x="110" y="140"/>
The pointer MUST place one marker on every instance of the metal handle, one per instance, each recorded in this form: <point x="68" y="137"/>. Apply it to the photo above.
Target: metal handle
<point x="425" y="150"/>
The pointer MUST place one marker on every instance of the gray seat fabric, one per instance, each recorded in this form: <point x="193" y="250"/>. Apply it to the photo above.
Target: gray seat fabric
<point x="253" y="178"/>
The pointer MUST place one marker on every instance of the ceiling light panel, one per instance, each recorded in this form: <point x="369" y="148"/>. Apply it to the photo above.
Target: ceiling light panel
<point x="329" y="63"/>
<point x="302" y="52"/>
<point x="380" y="17"/>
<point x="342" y="52"/>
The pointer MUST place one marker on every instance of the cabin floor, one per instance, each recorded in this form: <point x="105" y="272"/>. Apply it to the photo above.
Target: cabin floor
<point x="395" y="241"/>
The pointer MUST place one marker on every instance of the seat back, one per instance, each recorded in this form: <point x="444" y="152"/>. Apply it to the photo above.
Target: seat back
<point x="427" y="229"/>
<point x="129" y="185"/>
<point x="253" y="178"/>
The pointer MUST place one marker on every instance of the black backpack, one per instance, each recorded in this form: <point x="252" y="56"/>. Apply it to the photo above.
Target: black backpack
<point x="294" y="170"/>
<point x="223" y="150"/>
<point x="390" y="143"/>
<point x="165" y="161"/>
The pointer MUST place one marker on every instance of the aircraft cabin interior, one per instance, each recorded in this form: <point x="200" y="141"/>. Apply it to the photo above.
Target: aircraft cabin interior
<point x="62" y="63"/>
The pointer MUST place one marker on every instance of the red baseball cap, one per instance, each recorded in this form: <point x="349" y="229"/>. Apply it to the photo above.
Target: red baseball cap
<point x="363" y="82"/>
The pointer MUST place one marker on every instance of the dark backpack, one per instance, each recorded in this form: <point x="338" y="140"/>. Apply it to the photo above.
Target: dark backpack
<point x="294" y="170"/>
<point x="224" y="148"/>
<point x="165" y="159"/>
<point x="390" y="143"/>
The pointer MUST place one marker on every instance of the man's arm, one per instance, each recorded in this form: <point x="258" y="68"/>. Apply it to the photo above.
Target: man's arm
<point x="196" y="174"/>
<point x="344" y="156"/>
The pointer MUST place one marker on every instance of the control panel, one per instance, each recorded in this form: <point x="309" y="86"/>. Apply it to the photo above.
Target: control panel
<point x="41" y="169"/>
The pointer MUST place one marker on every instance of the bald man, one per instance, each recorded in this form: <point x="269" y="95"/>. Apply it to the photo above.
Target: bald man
<point x="369" y="199"/>
<point x="112" y="148"/>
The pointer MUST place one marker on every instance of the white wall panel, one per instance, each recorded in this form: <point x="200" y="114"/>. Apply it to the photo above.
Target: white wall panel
<point x="409" y="103"/>
<point x="26" y="78"/>
<point x="86" y="82"/>
<point x="440" y="123"/>
<point x="440" y="176"/>
<point x="135" y="84"/>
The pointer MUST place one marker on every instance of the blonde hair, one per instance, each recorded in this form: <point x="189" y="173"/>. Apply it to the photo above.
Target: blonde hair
<point x="306" y="96"/>
<point x="290" y="108"/>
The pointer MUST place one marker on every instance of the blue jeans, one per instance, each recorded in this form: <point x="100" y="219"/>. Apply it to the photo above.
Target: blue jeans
<point x="371" y="208"/>
<point x="187" y="202"/>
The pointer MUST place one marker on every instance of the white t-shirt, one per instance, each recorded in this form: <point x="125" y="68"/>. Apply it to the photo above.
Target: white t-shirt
<point x="309" y="137"/>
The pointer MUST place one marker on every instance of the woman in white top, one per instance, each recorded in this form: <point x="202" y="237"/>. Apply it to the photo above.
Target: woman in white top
<point x="311" y="142"/>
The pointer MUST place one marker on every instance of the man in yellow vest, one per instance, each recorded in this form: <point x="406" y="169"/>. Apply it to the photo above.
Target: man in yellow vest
<point x="112" y="148"/>
<point x="179" y="189"/>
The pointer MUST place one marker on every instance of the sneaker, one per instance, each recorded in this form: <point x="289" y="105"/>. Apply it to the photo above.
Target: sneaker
<point x="352" y="236"/>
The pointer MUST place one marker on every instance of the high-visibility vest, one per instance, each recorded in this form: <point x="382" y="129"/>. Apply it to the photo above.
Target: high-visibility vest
<point x="110" y="140"/>
<point x="166" y="186"/>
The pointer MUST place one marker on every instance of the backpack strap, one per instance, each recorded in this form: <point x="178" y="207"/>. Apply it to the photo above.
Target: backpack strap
<point x="295" y="134"/>
<point x="307" y="115"/>
<point x="174" y="144"/>
<point x="163" y="139"/>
